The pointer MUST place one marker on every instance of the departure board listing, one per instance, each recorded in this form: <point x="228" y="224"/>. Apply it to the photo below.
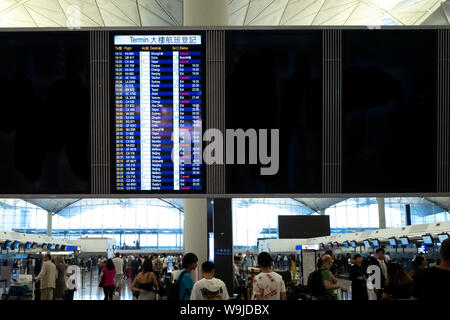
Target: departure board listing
<point x="158" y="112"/>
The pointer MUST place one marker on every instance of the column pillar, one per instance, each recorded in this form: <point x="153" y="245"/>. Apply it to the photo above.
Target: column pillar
<point x="205" y="13"/>
<point x="408" y="214"/>
<point x="381" y="213"/>
<point x="201" y="13"/>
<point x="223" y="241"/>
<point x="49" y="223"/>
<point x="322" y="212"/>
<point x="196" y="230"/>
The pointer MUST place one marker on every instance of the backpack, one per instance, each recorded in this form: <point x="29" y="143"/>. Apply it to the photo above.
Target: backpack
<point x="315" y="284"/>
<point x="174" y="288"/>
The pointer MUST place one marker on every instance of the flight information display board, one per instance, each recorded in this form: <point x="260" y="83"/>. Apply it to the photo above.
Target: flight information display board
<point x="158" y="94"/>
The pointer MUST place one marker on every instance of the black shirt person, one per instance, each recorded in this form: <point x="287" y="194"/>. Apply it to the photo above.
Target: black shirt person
<point x="434" y="283"/>
<point x="398" y="283"/>
<point x="356" y="276"/>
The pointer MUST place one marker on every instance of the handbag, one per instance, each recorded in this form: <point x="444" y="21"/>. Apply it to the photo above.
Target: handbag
<point x="101" y="284"/>
<point x="66" y="279"/>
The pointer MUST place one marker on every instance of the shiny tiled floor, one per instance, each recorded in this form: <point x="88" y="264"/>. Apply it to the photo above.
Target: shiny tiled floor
<point x="91" y="291"/>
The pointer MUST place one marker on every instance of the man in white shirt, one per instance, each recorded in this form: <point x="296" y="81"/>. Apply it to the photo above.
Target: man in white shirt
<point x="209" y="288"/>
<point x="382" y="263"/>
<point x="118" y="278"/>
<point x="268" y="285"/>
<point x="388" y="257"/>
<point x="174" y="274"/>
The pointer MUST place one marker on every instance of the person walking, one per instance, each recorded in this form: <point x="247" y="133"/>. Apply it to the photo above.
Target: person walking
<point x="118" y="278"/>
<point x="108" y="273"/>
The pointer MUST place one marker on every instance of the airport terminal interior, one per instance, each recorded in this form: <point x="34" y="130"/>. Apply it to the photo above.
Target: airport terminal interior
<point x="143" y="141"/>
<point x="84" y="231"/>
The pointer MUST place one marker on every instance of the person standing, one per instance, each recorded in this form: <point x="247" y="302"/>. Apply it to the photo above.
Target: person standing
<point x="209" y="288"/>
<point x="129" y="268"/>
<point x="134" y="267"/>
<point x="398" y="283"/>
<point x="248" y="262"/>
<point x="432" y="284"/>
<point x="100" y="265"/>
<point x="47" y="277"/>
<point x="382" y="264"/>
<point x="356" y="276"/>
<point x="124" y="260"/>
<point x="186" y="283"/>
<point x="388" y="257"/>
<point x="108" y="273"/>
<point x="165" y="263"/>
<point x="350" y="262"/>
<point x="60" y="286"/>
<point x="237" y="276"/>
<point x="145" y="282"/>
<point x="268" y="285"/>
<point x="174" y="274"/>
<point x="157" y="265"/>
<point x="419" y="264"/>
<point x="241" y="260"/>
<point x="330" y="283"/>
<point x="118" y="278"/>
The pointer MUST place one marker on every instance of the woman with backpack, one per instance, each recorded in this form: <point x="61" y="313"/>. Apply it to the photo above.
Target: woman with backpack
<point x="145" y="282"/>
<point x="184" y="282"/>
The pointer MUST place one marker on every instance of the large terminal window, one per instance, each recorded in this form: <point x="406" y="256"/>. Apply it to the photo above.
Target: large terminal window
<point x="158" y="95"/>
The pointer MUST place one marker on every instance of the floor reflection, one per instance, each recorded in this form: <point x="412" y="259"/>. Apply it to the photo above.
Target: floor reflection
<point x="91" y="291"/>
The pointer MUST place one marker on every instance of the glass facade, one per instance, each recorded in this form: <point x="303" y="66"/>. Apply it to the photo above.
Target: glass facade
<point x="158" y="224"/>
<point x="133" y="223"/>
<point x="19" y="214"/>
<point x="258" y="218"/>
<point x="353" y="215"/>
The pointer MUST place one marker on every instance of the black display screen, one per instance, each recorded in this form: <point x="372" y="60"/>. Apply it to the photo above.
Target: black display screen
<point x="45" y="112"/>
<point x="301" y="227"/>
<point x="389" y="110"/>
<point x="274" y="81"/>
<point x="7" y="244"/>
